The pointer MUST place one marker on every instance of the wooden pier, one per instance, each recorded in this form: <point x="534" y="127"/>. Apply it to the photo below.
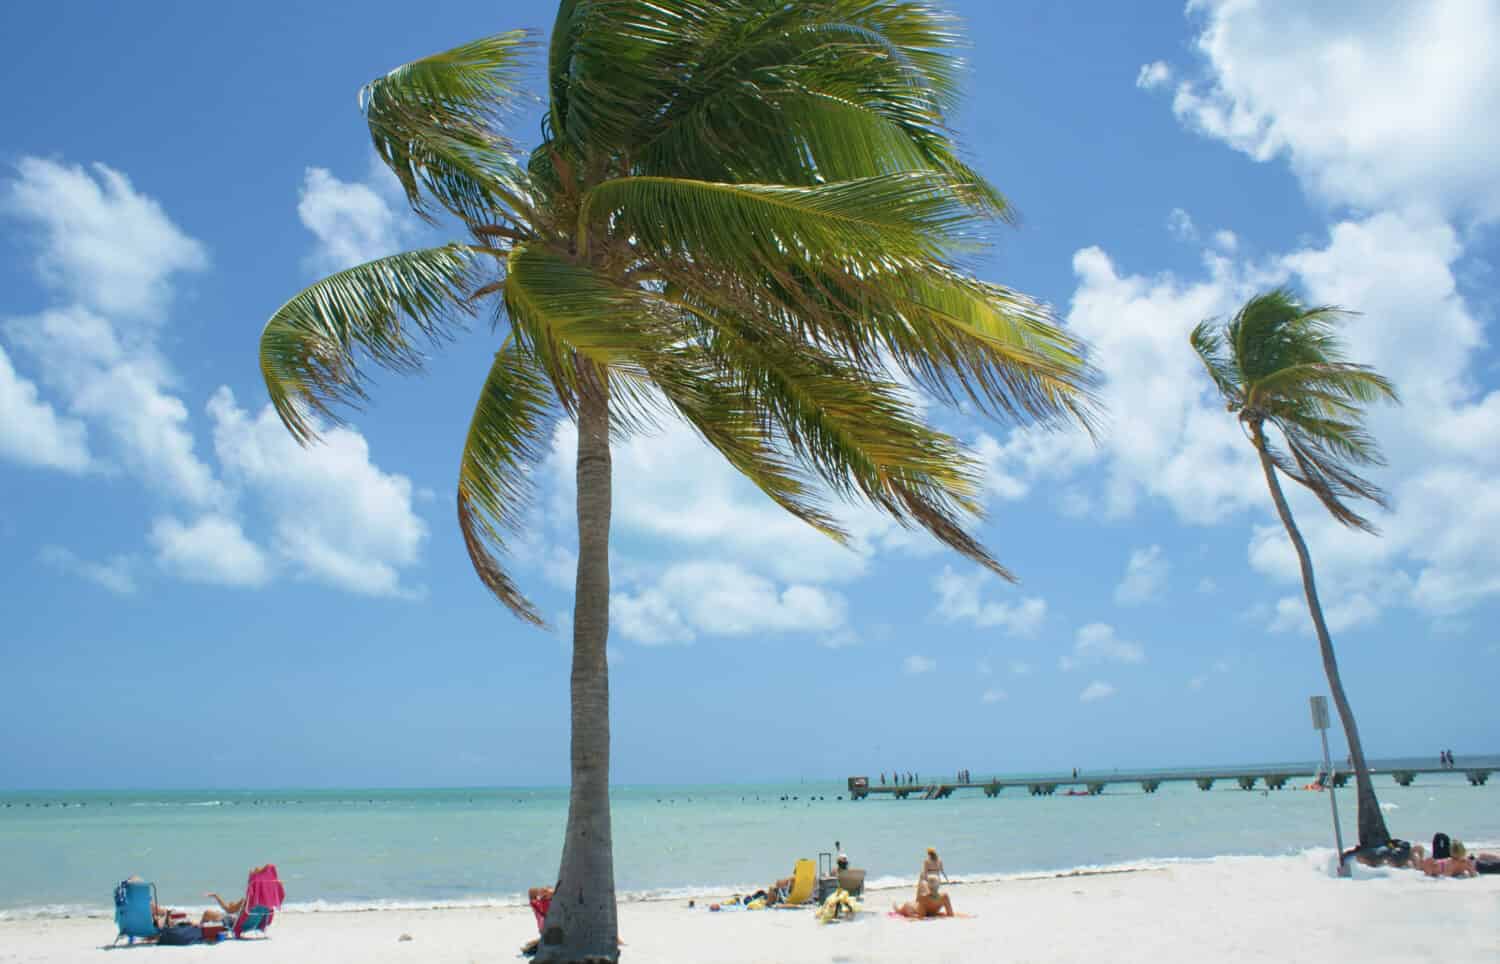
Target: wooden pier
<point x="1090" y="784"/>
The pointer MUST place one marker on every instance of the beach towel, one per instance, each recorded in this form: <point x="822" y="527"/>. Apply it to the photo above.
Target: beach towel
<point x="918" y="920"/>
<point x="264" y="895"/>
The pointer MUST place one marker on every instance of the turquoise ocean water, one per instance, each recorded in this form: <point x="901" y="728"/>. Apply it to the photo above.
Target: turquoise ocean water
<point x="345" y="849"/>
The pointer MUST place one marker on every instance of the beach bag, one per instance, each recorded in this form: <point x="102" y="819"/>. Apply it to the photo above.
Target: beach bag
<point x="181" y="935"/>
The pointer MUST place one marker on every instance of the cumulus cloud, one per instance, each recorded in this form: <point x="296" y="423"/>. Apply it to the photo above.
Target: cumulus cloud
<point x="126" y="389"/>
<point x="723" y="599"/>
<point x="915" y="665"/>
<point x="1097" y="690"/>
<point x="214" y="549"/>
<point x="102" y="244"/>
<point x="1097" y="643"/>
<point x="352" y="221"/>
<point x="1373" y="107"/>
<point x="113" y="253"/>
<point x="31" y="430"/>
<point x="960" y="599"/>
<point x="337" y="517"/>
<point x="1145" y="577"/>
<point x="117" y="575"/>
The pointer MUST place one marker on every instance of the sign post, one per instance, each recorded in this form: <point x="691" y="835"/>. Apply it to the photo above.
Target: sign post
<point x="1320" y="723"/>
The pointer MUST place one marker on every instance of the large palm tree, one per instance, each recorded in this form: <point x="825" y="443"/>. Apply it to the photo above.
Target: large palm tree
<point x="745" y="214"/>
<point x="1279" y="362"/>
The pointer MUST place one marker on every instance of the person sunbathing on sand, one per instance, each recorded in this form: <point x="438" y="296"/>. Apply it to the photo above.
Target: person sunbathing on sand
<point x="1455" y="864"/>
<point x="930" y="902"/>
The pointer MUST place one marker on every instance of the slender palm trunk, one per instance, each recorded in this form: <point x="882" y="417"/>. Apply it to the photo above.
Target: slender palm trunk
<point x="1372" y="832"/>
<point x="581" y="924"/>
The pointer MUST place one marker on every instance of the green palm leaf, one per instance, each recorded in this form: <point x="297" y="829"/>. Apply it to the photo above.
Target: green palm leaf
<point x="386" y="310"/>
<point x="507" y="438"/>
<point x="560" y="307"/>
<point x="436" y="123"/>
<point x="889" y="218"/>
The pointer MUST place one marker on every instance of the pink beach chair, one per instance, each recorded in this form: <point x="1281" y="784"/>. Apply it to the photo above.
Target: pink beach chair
<point x="263" y="897"/>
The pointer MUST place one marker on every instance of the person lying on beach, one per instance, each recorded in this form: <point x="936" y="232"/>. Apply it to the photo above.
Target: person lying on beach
<point x="930" y="902"/>
<point x="1455" y="864"/>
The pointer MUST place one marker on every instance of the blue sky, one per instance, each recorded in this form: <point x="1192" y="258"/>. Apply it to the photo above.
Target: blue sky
<point x="177" y="574"/>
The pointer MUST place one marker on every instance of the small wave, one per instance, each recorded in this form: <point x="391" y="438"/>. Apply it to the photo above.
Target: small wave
<point x="54" y="912"/>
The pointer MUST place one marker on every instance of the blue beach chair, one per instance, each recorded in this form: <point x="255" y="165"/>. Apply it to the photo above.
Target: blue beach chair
<point x="257" y="918"/>
<point x="133" y="902"/>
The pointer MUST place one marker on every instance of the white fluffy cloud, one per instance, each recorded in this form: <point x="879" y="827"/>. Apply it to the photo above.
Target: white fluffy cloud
<point x="213" y="549"/>
<point x="126" y="390"/>
<point x="31" y="431"/>
<point x="1095" y="691"/>
<point x="1375" y="106"/>
<point x="103" y="245"/>
<point x="337" y="517"/>
<point x="721" y="599"/>
<point x="1145" y="577"/>
<point x="960" y="597"/>
<point x="352" y="221"/>
<point x="1097" y="643"/>
<point x="113" y="253"/>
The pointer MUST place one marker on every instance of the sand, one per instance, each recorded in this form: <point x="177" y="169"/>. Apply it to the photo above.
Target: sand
<point x="1231" y="909"/>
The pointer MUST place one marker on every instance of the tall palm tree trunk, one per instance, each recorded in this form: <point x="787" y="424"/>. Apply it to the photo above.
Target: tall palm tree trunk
<point x="581" y="923"/>
<point x="1372" y="832"/>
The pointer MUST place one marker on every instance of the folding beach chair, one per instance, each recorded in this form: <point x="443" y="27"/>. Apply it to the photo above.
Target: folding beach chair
<point x="133" y="902"/>
<point x="263" y="897"/>
<point x="804" y="879"/>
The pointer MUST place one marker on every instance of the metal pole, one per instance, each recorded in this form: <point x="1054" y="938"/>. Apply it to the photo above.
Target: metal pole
<point x="1320" y="723"/>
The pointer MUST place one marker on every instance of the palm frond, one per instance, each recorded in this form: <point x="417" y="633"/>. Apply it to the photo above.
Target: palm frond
<point x="437" y="124"/>
<point x="629" y="71"/>
<point x="559" y="306"/>
<point x="914" y="215"/>
<point x="850" y="427"/>
<point x="507" y="438"/>
<point x="734" y="423"/>
<point x="1338" y="381"/>
<point x="1208" y="342"/>
<point x="954" y="336"/>
<point x="387" y="311"/>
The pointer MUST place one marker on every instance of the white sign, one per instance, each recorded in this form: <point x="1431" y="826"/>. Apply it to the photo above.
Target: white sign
<point x="1320" y="712"/>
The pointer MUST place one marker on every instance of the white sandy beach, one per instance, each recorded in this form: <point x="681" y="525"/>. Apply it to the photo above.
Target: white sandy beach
<point x="1232" y="909"/>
